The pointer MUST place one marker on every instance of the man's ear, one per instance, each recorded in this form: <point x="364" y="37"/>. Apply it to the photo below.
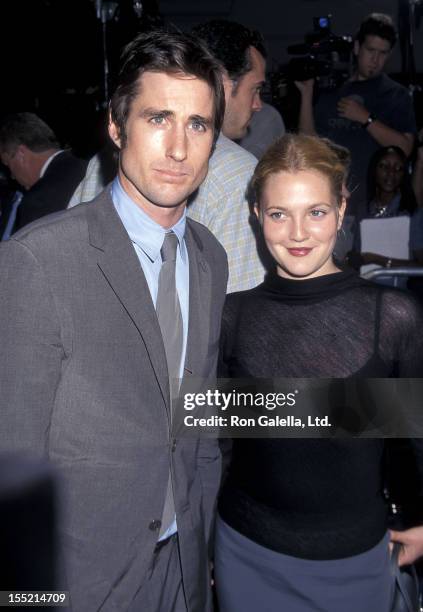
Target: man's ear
<point x="21" y="152"/>
<point x="228" y="85"/>
<point x="114" y="132"/>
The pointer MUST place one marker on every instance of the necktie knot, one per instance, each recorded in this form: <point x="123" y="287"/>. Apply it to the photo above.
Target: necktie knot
<point x="170" y="244"/>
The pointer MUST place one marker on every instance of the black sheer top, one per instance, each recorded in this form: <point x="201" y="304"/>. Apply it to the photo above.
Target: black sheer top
<point x="314" y="498"/>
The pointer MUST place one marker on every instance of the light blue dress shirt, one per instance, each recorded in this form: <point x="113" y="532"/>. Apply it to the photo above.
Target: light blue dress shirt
<point x="147" y="236"/>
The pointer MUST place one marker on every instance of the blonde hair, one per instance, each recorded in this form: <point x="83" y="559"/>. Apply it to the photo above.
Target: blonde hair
<point x="298" y="152"/>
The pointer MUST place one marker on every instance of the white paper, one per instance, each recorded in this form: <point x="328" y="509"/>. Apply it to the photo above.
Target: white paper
<point x="389" y="237"/>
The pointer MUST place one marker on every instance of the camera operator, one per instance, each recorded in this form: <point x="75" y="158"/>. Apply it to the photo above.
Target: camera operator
<point x="368" y="111"/>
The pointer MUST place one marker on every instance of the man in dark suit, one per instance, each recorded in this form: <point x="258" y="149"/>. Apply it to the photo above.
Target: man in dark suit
<point x="101" y="309"/>
<point x="29" y="148"/>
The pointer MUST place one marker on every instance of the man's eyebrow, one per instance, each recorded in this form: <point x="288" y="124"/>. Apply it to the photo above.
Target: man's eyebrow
<point x="152" y="112"/>
<point x="372" y="48"/>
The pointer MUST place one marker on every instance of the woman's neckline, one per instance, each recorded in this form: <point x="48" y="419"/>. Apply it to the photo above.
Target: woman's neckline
<point x="310" y="289"/>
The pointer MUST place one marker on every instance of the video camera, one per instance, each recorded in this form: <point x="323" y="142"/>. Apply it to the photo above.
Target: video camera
<point x="322" y="56"/>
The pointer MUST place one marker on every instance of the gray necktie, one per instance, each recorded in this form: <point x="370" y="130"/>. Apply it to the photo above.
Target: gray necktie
<point x="169" y="311"/>
<point x="170" y="321"/>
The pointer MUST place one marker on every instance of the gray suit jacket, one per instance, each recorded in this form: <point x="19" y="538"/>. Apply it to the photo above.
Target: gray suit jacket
<point x="83" y="380"/>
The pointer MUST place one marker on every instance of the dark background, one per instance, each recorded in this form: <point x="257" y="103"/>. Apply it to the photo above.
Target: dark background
<point x="53" y="58"/>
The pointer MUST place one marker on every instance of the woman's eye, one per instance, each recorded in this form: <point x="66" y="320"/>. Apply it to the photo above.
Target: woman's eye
<point x="318" y="213"/>
<point x="276" y="215"/>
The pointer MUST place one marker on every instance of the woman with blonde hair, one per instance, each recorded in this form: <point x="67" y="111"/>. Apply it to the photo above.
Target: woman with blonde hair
<point x="302" y="523"/>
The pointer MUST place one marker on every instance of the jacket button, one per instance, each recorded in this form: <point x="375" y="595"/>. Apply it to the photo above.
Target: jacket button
<point x="173" y="445"/>
<point x="155" y="525"/>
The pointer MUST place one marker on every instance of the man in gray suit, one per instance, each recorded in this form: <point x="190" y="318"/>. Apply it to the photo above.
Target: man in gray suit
<point x="102" y="307"/>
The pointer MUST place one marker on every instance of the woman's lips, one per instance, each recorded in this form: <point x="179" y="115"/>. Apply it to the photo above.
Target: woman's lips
<point x="299" y="252"/>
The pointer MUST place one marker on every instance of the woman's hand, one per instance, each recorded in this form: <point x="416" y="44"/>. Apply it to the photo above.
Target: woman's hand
<point x="373" y="258"/>
<point x="411" y="541"/>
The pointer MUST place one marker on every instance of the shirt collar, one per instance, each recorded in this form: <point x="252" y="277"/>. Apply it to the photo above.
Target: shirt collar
<point x="142" y="230"/>
<point x="48" y="162"/>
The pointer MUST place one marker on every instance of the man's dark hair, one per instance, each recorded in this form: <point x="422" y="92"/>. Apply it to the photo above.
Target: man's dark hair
<point x="378" y="24"/>
<point x="170" y="52"/>
<point x="230" y="42"/>
<point x="27" y="129"/>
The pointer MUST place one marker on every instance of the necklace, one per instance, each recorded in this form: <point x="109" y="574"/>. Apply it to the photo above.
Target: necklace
<point x="380" y="211"/>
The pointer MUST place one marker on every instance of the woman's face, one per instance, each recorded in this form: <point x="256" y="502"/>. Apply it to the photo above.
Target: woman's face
<point x="390" y="173"/>
<point x="300" y="219"/>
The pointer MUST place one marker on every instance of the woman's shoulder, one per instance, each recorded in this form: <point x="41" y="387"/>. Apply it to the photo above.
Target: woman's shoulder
<point x="395" y="307"/>
<point x="247" y="294"/>
<point x="399" y="312"/>
<point x="401" y="307"/>
<point x="238" y="300"/>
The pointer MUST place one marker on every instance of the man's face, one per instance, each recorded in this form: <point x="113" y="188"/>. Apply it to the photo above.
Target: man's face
<point x="20" y="166"/>
<point x="243" y="100"/>
<point x="169" y="137"/>
<point x="372" y="56"/>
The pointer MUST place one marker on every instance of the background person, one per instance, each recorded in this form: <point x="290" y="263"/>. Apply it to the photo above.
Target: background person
<point x="265" y="127"/>
<point x="31" y="151"/>
<point x="389" y="190"/>
<point x="368" y="111"/>
<point x="390" y="194"/>
<point x="303" y="522"/>
<point x="242" y="53"/>
<point x="10" y="198"/>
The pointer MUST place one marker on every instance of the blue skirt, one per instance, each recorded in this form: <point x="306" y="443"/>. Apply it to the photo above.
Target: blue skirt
<point x="252" y="578"/>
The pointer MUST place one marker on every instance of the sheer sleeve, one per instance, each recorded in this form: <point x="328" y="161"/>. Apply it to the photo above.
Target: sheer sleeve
<point x="402" y="328"/>
<point x="402" y="323"/>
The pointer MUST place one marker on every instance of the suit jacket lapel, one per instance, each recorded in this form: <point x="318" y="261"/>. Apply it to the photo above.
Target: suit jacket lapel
<point x="119" y="263"/>
<point x="199" y="301"/>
